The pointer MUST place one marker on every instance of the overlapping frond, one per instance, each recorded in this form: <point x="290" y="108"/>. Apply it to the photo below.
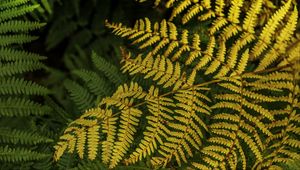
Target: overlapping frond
<point x="13" y="106"/>
<point x="14" y="136"/>
<point x="110" y="70"/>
<point x="283" y="145"/>
<point x="160" y="69"/>
<point x="20" y="154"/>
<point x="239" y="124"/>
<point x="163" y="36"/>
<point x="84" y="132"/>
<point x="161" y="115"/>
<point x="187" y="129"/>
<point x="163" y="40"/>
<point x="80" y="95"/>
<point x="95" y="83"/>
<point x="189" y="9"/>
<point x="81" y="132"/>
<point x="234" y="90"/>
<point x="17" y="94"/>
<point x="269" y="30"/>
<point x="15" y="86"/>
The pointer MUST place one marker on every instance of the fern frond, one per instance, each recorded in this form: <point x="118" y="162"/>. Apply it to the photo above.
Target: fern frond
<point x="20" y="136"/>
<point x="292" y="54"/>
<point x="165" y="35"/>
<point x="11" y="3"/>
<point x="6" y="40"/>
<point x="21" y="107"/>
<point x="20" y="154"/>
<point x="95" y="83"/>
<point x="19" y="67"/>
<point x="283" y="145"/>
<point x="269" y="30"/>
<point x="93" y="141"/>
<point x="188" y="127"/>
<point x="235" y="10"/>
<point x="223" y="112"/>
<point x="129" y="119"/>
<point x="281" y="43"/>
<point x="159" y="107"/>
<point x="192" y="8"/>
<point x="124" y="91"/>
<point x="9" y="54"/>
<point x="108" y="69"/>
<point x="21" y="86"/>
<point x="81" y="96"/>
<point x="19" y="26"/>
<point x="77" y="135"/>
<point x="109" y="128"/>
<point x="251" y="17"/>
<point x="161" y="70"/>
<point x="16" y="11"/>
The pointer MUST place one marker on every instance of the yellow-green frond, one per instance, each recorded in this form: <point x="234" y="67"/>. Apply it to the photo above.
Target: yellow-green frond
<point x="269" y="30"/>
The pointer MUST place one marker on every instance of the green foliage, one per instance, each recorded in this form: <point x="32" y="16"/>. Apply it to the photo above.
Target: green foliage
<point x="19" y="141"/>
<point x="20" y="155"/>
<point x="11" y="107"/>
<point x="25" y="138"/>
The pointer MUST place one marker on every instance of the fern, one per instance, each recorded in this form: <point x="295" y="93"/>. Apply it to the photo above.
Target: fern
<point x="22" y="137"/>
<point x="21" y="107"/>
<point x="231" y="102"/>
<point x="19" y="146"/>
<point x="20" y="155"/>
<point x="79" y="94"/>
<point x="97" y="82"/>
<point x="21" y="86"/>
<point x="109" y="70"/>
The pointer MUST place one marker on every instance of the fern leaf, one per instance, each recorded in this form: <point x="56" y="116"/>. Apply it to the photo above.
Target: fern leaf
<point x="81" y="142"/>
<point x="109" y="128"/>
<point x="20" y="86"/>
<point x="189" y="127"/>
<point x="20" y="154"/>
<point x="220" y="4"/>
<point x="93" y="141"/>
<point x="21" y="107"/>
<point x="156" y="131"/>
<point x="279" y="46"/>
<point x="269" y="30"/>
<point x="243" y="62"/>
<point x="95" y="83"/>
<point x="193" y="11"/>
<point x="216" y="63"/>
<point x="19" y="67"/>
<point x="235" y="10"/>
<point x="181" y="6"/>
<point x="251" y="145"/>
<point x="19" y="26"/>
<point x="15" y="12"/>
<point x="108" y="69"/>
<point x="8" y="54"/>
<point x="129" y="119"/>
<point x="81" y="96"/>
<point x="12" y="3"/>
<point x="23" y="137"/>
<point x="251" y="17"/>
<point x="6" y="40"/>
<point x="161" y="69"/>
<point x="164" y="39"/>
